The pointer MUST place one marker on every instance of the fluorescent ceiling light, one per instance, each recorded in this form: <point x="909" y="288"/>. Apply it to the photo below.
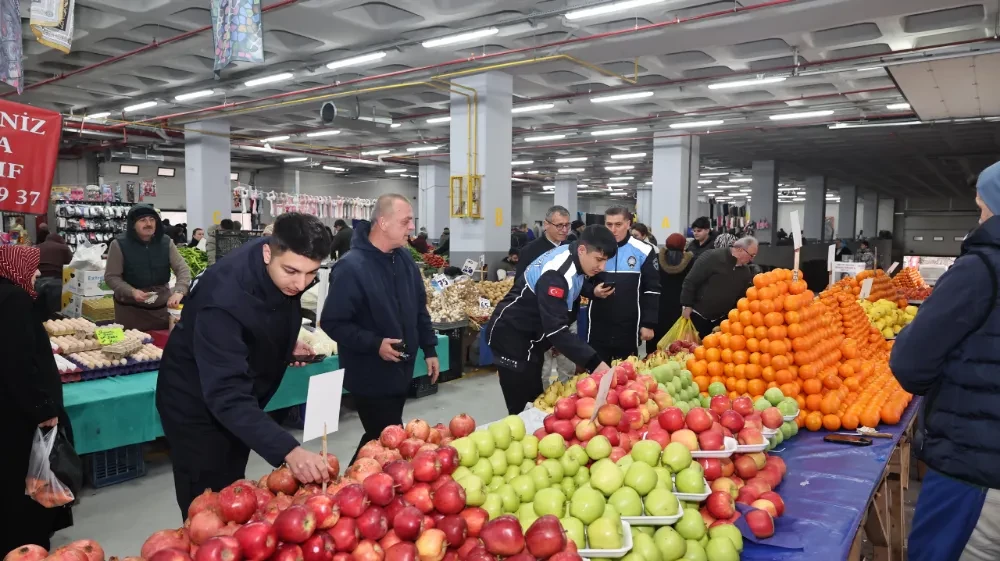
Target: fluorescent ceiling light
<point x="375" y="152"/>
<point x="714" y="173"/>
<point x="740" y="180"/>
<point x="395" y="125"/>
<point x="532" y="172"/>
<point x="194" y="95"/>
<point x="548" y="187"/>
<point x="138" y="106"/>
<point x="746" y="190"/>
<point x="696" y="124"/>
<point x="397" y="170"/>
<point x="571" y="170"/>
<point x="582" y="185"/>
<point x="543" y="138"/>
<point x="422" y="148"/>
<point x="609" y="8"/>
<point x="628" y="156"/>
<point x="276" y="138"/>
<point x="723" y="198"/>
<point x="333" y="168"/>
<point x="746" y="83"/>
<point x="519" y="179"/>
<point x="868" y="68"/>
<point x="268" y="79"/>
<point x="293" y="160"/>
<point x="618" y="168"/>
<point x="623" y="178"/>
<point x="704" y="181"/>
<point x="460" y="38"/>
<point x="522" y="162"/>
<point x="709" y="191"/>
<point x="802" y="115"/>
<point x="323" y="133"/>
<point x="649" y="183"/>
<point x="532" y="108"/>
<point x="620" y="97"/>
<point x="518" y="173"/>
<point x="609" y="132"/>
<point x="356" y="60"/>
<point x="897" y="106"/>
<point x="570" y="160"/>
<point x="799" y="199"/>
<point x="616" y="184"/>
<point x="725" y="186"/>
<point x="97" y="116"/>
<point x="433" y="120"/>
<point x="873" y="125"/>
<point x="588" y="191"/>
<point x="619" y="194"/>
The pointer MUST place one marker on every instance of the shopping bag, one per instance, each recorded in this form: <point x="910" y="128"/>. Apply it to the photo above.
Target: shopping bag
<point x="65" y="463"/>
<point x="684" y="331"/>
<point x="42" y="484"/>
<point x="88" y="257"/>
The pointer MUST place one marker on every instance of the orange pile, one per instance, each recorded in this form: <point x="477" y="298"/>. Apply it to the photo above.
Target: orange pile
<point x="861" y="334"/>
<point x="911" y="284"/>
<point x="882" y="287"/>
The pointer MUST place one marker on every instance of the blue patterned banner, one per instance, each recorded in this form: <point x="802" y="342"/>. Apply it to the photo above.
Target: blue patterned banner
<point x="11" y="72"/>
<point x="237" y="31"/>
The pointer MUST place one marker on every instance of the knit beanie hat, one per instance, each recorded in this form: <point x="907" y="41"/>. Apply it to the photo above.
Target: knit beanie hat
<point x="988" y="187"/>
<point x="676" y="241"/>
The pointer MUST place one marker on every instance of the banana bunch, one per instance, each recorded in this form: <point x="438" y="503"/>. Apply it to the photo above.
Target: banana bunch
<point x="556" y="391"/>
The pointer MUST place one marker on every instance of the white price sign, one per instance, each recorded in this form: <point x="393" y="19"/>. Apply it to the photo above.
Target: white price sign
<point x="440" y="282"/>
<point x="484" y="303"/>
<point x="892" y="267"/>
<point x="796" y="229"/>
<point x="323" y="404"/>
<point x="469" y="267"/>
<point x="843" y="269"/>
<point x="866" y="288"/>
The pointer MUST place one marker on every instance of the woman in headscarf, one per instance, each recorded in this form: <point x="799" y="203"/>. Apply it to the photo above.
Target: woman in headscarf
<point x="675" y="263"/>
<point x="32" y="398"/>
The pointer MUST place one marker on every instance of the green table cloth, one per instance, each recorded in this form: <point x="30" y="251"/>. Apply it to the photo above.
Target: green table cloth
<point x="120" y="411"/>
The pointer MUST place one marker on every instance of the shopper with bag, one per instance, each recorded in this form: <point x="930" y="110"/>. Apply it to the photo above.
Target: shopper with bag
<point x="718" y="279"/>
<point x="33" y="399"/>
<point x="675" y="264"/>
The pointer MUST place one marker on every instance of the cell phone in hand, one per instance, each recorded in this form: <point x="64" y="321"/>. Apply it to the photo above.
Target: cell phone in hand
<point x="610" y="285"/>
<point x="848" y="439"/>
<point x="401" y="349"/>
<point x="309" y="359"/>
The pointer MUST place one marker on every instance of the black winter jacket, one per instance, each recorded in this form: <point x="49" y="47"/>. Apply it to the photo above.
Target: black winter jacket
<point x="228" y="354"/>
<point x="615" y="321"/>
<point x="373" y="296"/>
<point x="671" y="282"/>
<point x="715" y="284"/>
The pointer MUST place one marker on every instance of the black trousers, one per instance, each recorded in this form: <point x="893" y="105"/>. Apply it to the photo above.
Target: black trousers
<point x="376" y="413"/>
<point x="189" y="482"/>
<point x="520" y="388"/>
<point x="610" y="353"/>
<point x="704" y="326"/>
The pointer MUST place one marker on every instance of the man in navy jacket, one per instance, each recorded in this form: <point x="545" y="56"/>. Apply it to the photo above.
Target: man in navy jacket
<point x="950" y="356"/>
<point x="227" y="356"/>
<point x="377" y="313"/>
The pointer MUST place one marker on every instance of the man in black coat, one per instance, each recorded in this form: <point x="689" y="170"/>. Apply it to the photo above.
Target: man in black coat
<point x="556" y="229"/>
<point x="228" y="354"/>
<point x="377" y="313"/>
<point x="342" y="239"/>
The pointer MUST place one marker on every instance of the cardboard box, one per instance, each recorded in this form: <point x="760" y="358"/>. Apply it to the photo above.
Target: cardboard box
<point x="88" y="283"/>
<point x="74" y="303"/>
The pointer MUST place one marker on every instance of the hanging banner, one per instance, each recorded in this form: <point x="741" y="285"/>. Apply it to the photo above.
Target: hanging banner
<point x="52" y="23"/>
<point x="29" y="149"/>
<point x="237" y="32"/>
<point x="11" y="53"/>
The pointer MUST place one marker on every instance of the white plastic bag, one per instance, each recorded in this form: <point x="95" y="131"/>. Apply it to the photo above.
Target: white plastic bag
<point x="88" y="257"/>
<point x="41" y="484"/>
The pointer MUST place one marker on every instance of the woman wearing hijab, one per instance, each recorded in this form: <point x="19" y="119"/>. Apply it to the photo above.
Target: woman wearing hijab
<point x="675" y="263"/>
<point x="32" y="394"/>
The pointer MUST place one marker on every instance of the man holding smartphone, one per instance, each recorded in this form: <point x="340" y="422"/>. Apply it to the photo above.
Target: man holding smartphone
<point x="377" y="312"/>
<point x="626" y="303"/>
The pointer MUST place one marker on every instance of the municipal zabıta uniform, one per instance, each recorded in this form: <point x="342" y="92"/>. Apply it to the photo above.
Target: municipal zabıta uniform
<point x="534" y="316"/>
<point x="613" y="323"/>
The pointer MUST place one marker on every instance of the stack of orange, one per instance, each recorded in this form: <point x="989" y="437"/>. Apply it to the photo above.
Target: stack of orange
<point x="882" y="287"/>
<point x="880" y="399"/>
<point x="911" y="284"/>
<point x="860" y="334"/>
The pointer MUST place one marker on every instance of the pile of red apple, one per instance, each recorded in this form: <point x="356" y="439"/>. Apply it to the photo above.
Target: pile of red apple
<point x="632" y="401"/>
<point x="397" y="502"/>
<point x="707" y="429"/>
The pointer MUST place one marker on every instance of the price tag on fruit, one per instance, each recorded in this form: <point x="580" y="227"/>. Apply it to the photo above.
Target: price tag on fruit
<point x="440" y="282"/>
<point x="109" y="335"/>
<point x="484" y="303"/>
<point x="866" y="288"/>
<point x="892" y="267"/>
<point x="469" y="267"/>
<point x="796" y="229"/>
<point x="602" y="392"/>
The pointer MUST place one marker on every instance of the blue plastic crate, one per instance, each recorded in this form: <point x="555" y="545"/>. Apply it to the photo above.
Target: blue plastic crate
<point x="110" y="467"/>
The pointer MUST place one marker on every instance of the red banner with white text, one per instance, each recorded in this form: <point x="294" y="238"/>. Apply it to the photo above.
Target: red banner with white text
<point x="29" y="150"/>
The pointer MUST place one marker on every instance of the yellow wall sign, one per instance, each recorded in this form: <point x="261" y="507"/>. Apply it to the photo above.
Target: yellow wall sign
<point x="665" y="223"/>
<point x="109" y="335"/>
<point x="498" y="217"/>
<point x="216" y="217"/>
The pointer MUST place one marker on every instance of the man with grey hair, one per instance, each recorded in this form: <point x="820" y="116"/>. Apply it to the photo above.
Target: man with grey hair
<point x="557" y="222"/>
<point x="718" y="279"/>
<point x="376" y="311"/>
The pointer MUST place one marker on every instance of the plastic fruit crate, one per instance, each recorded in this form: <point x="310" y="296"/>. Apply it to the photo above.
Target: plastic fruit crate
<point x="110" y="467"/>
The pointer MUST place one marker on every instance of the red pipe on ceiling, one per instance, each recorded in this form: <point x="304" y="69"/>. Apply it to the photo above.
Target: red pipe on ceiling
<point x="148" y="47"/>
<point x="637" y="29"/>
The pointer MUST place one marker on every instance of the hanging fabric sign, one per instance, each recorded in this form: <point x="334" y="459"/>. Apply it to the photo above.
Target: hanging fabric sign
<point x="237" y="32"/>
<point x="10" y="44"/>
<point x="52" y="23"/>
<point x="29" y="149"/>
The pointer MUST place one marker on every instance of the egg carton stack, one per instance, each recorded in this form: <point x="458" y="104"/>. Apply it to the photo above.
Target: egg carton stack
<point x="68" y="370"/>
<point x="95" y="365"/>
<point x="57" y="327"/>
<point x="69" y="344"/>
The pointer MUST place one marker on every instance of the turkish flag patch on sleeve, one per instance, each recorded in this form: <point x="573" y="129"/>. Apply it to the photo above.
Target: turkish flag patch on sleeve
<point x="556" y="292"/>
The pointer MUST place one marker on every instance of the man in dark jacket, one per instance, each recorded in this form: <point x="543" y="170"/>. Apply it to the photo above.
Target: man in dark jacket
<point x="54" y="255"/>
<point x="342" y="239"/>
<point x="703" y="240"/>
<point x="555" y="232"/>
<point x="228" y="354"/>
<point x="575" y="229"/>
<point x="535" y="315"/>
<point x="622" y="316"/>
<point x="949" y="355"/>
<point x="377" y="313"/>
<point x="718" y="279"/>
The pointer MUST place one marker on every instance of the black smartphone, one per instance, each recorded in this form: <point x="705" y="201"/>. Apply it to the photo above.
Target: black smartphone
<point x="849" y="439"/>
<point x="401" y="349"/>
<point x="308" y="359"/>
<point x="610" y="285"/>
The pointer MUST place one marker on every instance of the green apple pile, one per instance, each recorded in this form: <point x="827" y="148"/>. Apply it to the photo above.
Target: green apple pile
<point x="677" y="381"/>
<point x="665" y="543"/>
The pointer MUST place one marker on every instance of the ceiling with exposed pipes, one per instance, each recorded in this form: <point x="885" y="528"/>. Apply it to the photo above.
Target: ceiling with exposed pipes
<point x="904" y="94"/>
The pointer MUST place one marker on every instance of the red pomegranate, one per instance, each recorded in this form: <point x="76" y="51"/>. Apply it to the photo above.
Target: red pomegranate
<point x="209" y="500"/>
<point x="27" y="553"/>
<point x="165" y="539"/>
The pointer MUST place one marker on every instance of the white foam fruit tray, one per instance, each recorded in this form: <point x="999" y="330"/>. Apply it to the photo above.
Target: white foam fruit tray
<point x="729" y="449"/>
<point x="611" y="553"/>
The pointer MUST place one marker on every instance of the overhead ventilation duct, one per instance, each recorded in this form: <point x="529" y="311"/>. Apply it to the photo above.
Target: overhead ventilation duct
<point x="357" y="118"/>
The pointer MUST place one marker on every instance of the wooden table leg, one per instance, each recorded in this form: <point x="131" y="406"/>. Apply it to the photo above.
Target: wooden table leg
<point x="876" y="525"/>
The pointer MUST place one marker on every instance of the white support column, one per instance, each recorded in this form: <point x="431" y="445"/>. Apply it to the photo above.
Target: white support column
<point x="814" y="219"/>
<point x="208" y="193"/>
<point x="765" y="199"/>
<point x="490" y="149"/>
<point x="869" y="217"/>
<point x="566" y="195"/>
<point x="432" y="196"/>
<point x="847" y="212"/>
<point x="644" y="204"/>
<point x="675" y="185"/>
<point x="525" y="202"/>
